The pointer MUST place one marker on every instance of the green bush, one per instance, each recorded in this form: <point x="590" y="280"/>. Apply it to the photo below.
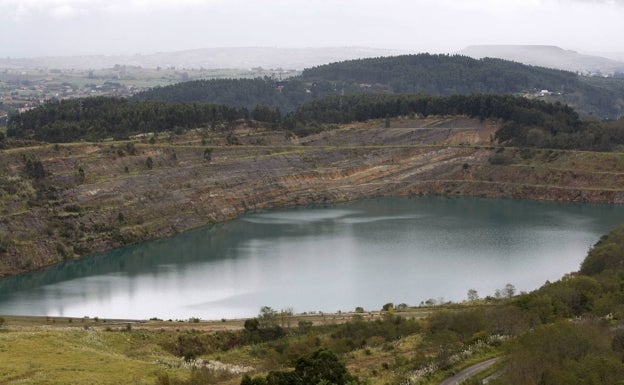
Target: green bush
<point x="320" y="367"/>
<point x="607" y="254"/>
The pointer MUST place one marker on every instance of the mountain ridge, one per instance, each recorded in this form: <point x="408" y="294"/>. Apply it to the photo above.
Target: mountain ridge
<point x="547" y="56"/>
<point x="226" y="57"/>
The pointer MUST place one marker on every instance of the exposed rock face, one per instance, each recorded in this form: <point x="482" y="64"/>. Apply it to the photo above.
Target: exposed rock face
<point x="117" y="199"/>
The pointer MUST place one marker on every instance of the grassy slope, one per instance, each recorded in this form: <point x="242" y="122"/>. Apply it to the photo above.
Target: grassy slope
<point x="36" y="350"/>
<point x="76" y="356"/>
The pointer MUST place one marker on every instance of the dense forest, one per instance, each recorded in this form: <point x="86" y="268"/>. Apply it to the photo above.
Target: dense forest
<point x="413" y="74"/>
<point x="526" y="122"/>
<point x="105" y="117"/>
<point x="344" y="109"/>
<point x="448" y="75"/>
<point x="443" y="75"/>
<point x="233" y="92"/>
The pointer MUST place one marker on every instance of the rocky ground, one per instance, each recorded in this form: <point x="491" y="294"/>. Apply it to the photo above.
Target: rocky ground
<point x="99" y="196"/>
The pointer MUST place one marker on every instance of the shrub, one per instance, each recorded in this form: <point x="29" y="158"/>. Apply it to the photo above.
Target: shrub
<point x="73" y="208"/>
<point x="500" y="159"/>
<point x="320" y="367"/>
<point x="208" y="154"/>
<point x="4" y="244"/>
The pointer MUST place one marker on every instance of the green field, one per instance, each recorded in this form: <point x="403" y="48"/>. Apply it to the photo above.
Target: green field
<point x="374" y="346"/>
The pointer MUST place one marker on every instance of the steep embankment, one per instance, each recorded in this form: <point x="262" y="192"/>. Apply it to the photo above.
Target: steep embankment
<point x="98" y="196"/>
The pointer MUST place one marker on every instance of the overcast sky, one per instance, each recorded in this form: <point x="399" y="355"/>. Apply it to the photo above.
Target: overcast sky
<point x="74" y="27"/>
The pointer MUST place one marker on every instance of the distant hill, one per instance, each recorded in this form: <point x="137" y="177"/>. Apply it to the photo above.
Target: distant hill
<point x="241" y="57"/>
<point x="547" y="56"/>
<point x="408" y="74"/>
<point x="441" y="75"/>
<point x="618" y="56"/>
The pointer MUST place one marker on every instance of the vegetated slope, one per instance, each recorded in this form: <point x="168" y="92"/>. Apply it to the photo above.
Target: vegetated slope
<point x="105" y="117"/>
<point x="574" y="332"/>
<point x="442" y="75"/>
<point x="413" y="74"/>
<point x="446" y="75"/>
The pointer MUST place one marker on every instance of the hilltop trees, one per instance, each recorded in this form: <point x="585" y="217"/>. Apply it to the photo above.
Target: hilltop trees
<point x="103" y="117"/>
<point x="521" y="111"/>
<point x="442" y="74"/>
<point x="525" y="122"/>
<point x="246" y="93"/>
<point x="436" y="75"/>
<point x="456" y="74"/>
<point x="472" y="295"/>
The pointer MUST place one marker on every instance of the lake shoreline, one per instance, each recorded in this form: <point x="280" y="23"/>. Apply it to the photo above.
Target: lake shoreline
<point x="370" y="251"/>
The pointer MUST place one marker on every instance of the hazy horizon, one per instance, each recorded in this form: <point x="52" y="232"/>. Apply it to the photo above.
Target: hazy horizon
<point x="35" y="28"/>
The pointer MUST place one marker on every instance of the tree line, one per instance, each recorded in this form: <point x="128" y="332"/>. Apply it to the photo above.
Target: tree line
<point x="233" y="92"/>
<point x="443" y="74"/>
<point x="456" y="74"/>
<point x="106" y="117"/>
<point x="526" y="122"/>
<point x="439" y="75"/>
<point x="344" y="109"/>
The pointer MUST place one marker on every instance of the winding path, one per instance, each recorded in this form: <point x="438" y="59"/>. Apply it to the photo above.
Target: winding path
<point x="470" y="371"/>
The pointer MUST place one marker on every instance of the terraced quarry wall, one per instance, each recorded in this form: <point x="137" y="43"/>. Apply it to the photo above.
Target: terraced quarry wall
<point x="99" y="196"/>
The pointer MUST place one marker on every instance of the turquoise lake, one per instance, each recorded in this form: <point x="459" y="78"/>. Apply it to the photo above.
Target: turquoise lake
<point x="364" y="253"/>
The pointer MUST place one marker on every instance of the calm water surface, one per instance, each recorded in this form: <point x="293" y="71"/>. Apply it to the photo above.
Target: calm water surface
<point x="363" y="253"/>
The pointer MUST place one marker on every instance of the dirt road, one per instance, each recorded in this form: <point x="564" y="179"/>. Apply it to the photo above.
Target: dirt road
<point x="469" y="372"/>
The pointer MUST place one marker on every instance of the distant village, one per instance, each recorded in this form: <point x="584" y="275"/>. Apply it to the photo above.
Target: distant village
<point x="24" y="89"/>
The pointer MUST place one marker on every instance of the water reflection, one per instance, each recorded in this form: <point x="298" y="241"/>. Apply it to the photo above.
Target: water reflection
<point x="362" y="253"/>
